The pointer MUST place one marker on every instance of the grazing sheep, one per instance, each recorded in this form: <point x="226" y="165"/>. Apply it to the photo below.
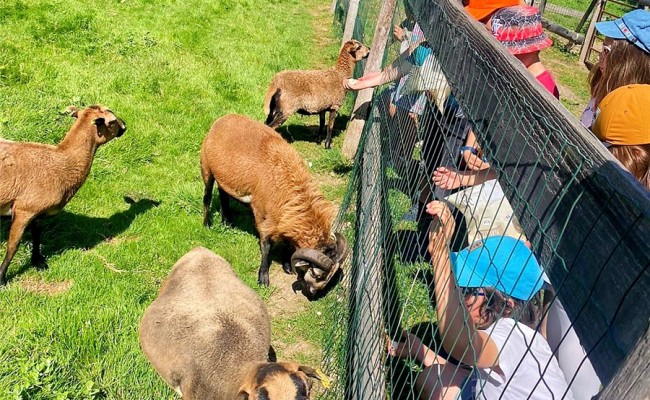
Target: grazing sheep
<point x="208" y="335"/>
<point x="254" y="164"/>
<point x="39" y="179"/>
<point x="313" y="92"/>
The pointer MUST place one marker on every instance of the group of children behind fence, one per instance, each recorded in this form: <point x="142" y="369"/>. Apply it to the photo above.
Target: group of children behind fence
<point x="498" y="341"/>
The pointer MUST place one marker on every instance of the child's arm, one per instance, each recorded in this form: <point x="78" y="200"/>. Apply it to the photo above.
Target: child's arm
<point x="470" y="153"/>
<point x="449" y="178"/>
<point x="460" y="337"/>
<point x="412" y="347"/>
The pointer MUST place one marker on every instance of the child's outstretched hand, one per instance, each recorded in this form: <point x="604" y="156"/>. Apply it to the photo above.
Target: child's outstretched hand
<point x="351" y="84"/>
<point x="407" y="347"/>
<point x="440" y="235"/>
<point x="447" y="178"/>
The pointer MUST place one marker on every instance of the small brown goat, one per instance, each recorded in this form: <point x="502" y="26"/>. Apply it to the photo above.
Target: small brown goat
<point x="208" y="335"/>
<point x="313" y="92"/>
<point x="254" y="164"/>
<point x="39" y="179"/>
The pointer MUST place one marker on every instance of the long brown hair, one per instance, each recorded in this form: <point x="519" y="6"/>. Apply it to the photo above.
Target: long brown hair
<point x="635" y="159"/>
<point x="625" y="64"/>
<point x="497" y="305"/>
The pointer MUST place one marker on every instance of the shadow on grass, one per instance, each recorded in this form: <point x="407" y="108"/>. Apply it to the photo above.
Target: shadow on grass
<point x="309" y="133"/>
<point x="67" y="231"/>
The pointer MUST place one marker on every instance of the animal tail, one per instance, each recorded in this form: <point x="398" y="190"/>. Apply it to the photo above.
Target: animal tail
<point x="271" y="104"/>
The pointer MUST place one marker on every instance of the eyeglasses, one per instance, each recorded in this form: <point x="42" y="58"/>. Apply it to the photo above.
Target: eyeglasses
<point x="472" y="291"/>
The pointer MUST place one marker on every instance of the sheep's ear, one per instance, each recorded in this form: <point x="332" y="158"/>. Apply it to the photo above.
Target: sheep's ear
<point x="242" y="395"/>
<point x="72" y="111"/>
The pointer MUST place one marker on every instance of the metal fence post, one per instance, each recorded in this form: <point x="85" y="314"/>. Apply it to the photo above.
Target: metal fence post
<point x="366" y="371"/>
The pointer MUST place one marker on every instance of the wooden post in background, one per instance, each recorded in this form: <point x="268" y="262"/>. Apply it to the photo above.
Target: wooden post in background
<point x="350" y="20"/>
<point x="360" y="113"/>
<point x="591" y="34"/>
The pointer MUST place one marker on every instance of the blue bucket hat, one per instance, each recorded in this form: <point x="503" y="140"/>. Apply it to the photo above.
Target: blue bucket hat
<point x="633" y="26"/>
<point x="501" y="262"/>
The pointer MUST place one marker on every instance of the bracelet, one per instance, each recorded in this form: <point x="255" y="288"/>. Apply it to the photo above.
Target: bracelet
<point x="471" y="149"/>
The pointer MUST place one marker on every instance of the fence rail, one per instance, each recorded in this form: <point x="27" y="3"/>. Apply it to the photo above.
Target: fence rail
<point x="586" y="217"/>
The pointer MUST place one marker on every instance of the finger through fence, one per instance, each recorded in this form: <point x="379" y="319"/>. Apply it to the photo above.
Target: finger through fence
<point x="535" y="229"/>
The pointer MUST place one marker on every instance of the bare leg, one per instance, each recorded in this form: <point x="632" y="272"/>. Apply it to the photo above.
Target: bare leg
<point x="330" y="127"/>
<point x="207" y="198"/>
<point x="20" y="221"/>
<point x="441" y="381"/>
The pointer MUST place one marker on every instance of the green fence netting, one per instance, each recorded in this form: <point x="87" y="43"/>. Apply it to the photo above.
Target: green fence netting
<point x="557" y="188"/>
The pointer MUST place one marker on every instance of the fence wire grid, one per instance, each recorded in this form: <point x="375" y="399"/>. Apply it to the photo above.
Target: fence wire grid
<point x="556" y="188"/>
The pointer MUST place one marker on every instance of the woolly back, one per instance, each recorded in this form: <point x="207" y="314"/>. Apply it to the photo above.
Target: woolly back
<point x="306" y="215"/>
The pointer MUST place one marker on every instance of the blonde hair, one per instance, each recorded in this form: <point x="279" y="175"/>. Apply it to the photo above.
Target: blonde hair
<point x="635" y="159"/>
<point x="625" y="64"/>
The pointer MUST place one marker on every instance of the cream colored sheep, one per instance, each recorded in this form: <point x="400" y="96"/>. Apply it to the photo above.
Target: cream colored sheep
<point x="208" y="336"/>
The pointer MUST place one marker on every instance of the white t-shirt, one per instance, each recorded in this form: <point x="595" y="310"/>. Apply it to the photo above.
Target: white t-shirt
<point x="522" y="374"/>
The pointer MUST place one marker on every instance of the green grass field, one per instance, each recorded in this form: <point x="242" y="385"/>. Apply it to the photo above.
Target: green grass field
<point x="169" y="69"/>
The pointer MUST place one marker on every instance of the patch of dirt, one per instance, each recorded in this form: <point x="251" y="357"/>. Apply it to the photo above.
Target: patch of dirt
<point x="38" y="285"/>
<point x="330" y="179"/>
<point x="283" y="301"/>
<point x="297" y="351"/>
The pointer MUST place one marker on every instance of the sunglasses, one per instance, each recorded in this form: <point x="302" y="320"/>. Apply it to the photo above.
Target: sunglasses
<point x="472" y="291"/>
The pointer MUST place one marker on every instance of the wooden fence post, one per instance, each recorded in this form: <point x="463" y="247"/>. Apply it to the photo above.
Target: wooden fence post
<point x="591" y="33"/>
<point x="360" y="113"/>
<point x="350" y="20"/>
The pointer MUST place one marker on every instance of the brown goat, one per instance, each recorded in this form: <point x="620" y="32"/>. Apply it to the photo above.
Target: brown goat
<point x="39" y="179"/>
<point x="313" y="92"/>
<point x="254" y="164"/>
<point x="208" y="335"/>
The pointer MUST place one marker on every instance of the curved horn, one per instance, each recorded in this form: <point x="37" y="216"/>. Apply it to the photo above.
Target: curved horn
<point x="341" y="248"/>
<point x="312" y="256"/>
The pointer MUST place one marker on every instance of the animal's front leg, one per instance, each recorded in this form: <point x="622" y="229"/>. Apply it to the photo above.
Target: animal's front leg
<point x="263" y="274"/>
<point x="20" y="221"/>
<point x="38" y="260"/>
<point x="330" y="127"/>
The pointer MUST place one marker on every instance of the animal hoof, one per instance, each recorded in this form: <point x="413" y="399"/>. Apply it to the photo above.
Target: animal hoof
<point x="263" y="279"/>
<point x="207" y="222"/>
<point x="3" y="283"/>
<point x="328" y="145"/>
<point x="40" y="264"/>
<point x="287" y="268"/>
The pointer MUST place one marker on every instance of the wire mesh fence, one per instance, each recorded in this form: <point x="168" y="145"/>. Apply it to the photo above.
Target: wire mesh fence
<point x="550" y="186"/>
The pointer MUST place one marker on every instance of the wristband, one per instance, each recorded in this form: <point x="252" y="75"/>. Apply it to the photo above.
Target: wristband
<point x="471" y="149"/>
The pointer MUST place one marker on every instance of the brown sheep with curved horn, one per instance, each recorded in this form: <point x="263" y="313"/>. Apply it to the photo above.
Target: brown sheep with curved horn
<point x="254" y="164"/>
